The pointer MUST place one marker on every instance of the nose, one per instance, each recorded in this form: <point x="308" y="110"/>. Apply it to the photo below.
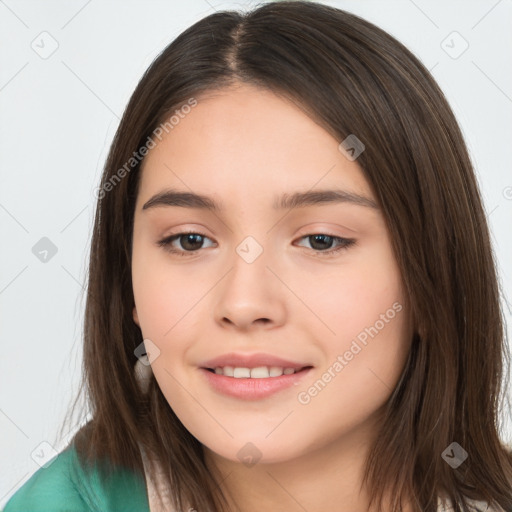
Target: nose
<point x="250" y="295"/>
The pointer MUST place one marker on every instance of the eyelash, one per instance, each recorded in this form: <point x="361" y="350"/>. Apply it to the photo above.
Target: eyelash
<point x="166" y="244"/>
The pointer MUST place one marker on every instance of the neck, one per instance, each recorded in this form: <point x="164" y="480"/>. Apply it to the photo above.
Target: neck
<point x="326" y="478"/>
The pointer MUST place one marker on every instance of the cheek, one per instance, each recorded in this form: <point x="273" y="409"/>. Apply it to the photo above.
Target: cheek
<point x="167" y="304"/>
<point x="354" y="295"/>
<point x="163" y="291"/>
<point x="362" y="366"/>
<point x="363" y="306"/>
<point x="167" y="298"/>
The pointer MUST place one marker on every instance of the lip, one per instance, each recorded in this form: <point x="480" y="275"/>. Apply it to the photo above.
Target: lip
<point x="253" y="389"/>
<point x="252" y="361"/>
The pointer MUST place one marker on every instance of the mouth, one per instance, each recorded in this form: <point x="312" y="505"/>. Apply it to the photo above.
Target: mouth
<point x="258" y="372"/>
<point x="255" y="383"/>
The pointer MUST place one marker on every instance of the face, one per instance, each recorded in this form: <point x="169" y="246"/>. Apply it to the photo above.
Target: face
<point x="314" y="283"/>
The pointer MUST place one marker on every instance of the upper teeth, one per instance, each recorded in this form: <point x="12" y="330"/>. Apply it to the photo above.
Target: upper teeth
<point x="261" y="372"/>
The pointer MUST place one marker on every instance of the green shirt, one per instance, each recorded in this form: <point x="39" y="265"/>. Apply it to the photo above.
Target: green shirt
<point x="62" y="486"/>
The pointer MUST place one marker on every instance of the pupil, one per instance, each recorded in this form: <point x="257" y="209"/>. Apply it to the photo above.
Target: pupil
<point x="190" y="239"/>
<point x="316" y="238"/>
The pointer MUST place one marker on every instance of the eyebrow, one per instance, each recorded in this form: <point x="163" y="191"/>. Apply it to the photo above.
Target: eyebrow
<point x="172" y="197"/>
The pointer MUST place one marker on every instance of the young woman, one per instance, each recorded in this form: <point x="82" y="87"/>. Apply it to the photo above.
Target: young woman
<point x="292" y="300"/>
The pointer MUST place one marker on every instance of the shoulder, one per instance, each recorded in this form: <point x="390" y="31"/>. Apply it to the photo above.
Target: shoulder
<point x="49" y="488"/>
<point x="62" y="486"/>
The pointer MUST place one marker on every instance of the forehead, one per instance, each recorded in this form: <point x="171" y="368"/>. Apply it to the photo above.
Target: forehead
<point x="244" y="140"/>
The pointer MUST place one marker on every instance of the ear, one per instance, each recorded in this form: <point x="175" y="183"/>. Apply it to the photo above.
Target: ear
<point x="135" y="316"/>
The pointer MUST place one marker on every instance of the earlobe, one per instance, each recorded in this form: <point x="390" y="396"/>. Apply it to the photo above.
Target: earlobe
<point x="135" y="316"/>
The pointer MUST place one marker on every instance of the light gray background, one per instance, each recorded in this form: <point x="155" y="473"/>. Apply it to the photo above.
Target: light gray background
<point x="58" y="116"/>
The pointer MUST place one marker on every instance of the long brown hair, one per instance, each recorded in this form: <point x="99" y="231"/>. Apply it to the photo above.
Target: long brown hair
<point x="352" y="78"/>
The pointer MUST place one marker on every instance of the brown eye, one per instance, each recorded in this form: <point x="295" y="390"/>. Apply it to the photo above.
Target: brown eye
<point x="189" y="242"/>
<point x="322" y="243"/>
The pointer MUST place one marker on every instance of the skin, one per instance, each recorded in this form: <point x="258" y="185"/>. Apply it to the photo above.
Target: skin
<point x="242" y="146"/>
